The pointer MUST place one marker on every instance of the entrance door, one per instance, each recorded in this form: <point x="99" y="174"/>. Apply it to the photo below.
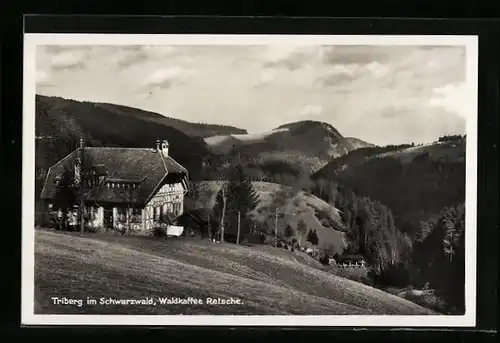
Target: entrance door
<point x="108" y="218"/>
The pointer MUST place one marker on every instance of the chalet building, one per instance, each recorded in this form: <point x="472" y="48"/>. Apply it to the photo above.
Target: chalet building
<point x="122" y="188"/>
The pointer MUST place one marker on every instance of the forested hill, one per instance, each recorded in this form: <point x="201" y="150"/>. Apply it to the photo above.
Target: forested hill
<point x="60" y="123"/>
<point x="191" y="129"/>
<point x="308" y="145"/>
<point x="415" y="182"/>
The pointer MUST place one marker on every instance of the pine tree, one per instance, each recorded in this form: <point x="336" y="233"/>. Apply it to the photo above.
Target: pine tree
<point x="289" y="232"/>
<point x="65" y="195"/>
<point x="309" y="237"/>
<point x="439" y="255"/>
<point x="314" y="238"/>
<point x="239" y="196"/>
<point x="451" y="232"/>
<point x="301" y="230"/>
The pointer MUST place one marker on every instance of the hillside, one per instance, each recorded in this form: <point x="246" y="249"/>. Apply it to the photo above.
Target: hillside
<point x="64" y="122"/>
<point x="191" y="129"/>
<point x="310" y="144"/>
<point x="268" y="281"/>
<point x="415" y="182"/>
<point x="298" y="205"/>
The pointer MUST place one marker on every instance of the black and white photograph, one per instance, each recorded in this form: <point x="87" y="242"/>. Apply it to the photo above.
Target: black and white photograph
<point x="249" y="180"/>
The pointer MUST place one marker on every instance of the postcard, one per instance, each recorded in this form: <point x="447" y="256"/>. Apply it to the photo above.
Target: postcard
<point x="249" y="180"/>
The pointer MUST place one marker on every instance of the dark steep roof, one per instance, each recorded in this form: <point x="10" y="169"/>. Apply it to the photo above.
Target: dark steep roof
<point x="147" y="167"/>
<point x="199" y="216"/>
<point x="100" y="169"/>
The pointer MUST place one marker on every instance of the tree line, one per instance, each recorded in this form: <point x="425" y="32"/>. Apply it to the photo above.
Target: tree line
<point x="432" y="258"/>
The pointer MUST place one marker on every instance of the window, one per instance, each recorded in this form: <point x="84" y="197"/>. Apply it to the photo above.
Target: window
<point x="93" y="212"/>
<point x="177" y="208"/>
<point x="136" y="215"/>
<point x="156" y="213"/>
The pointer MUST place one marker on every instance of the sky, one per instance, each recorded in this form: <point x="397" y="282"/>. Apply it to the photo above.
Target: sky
<point x="380" y="94"/>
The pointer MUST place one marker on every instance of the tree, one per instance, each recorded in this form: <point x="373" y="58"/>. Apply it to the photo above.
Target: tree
<point x="452" y="232"/>
<point x="195" y="198"/>
<point x="72" y="189"/>
<point x="65" y="196"/>
<point x="314" y="239"/>
<point x="221" y="200"/>
<point x="440" y="256"/>
<point x="325" y="189"/>
<point x="301" y="230"/>
<point x="289" y="232"/>
<point x="309" y="237"/>
<point x="238" y="196"/>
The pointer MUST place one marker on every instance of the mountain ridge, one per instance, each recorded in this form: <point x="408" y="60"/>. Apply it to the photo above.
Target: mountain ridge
<point x="416" y="182"/>
<point x="189" y="128"/>
<point x="309" y="143"/>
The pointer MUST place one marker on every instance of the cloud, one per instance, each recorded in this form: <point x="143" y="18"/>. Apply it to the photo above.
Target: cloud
<point x="78" y="49"/>
<point x="454" y="97"/>
<point x="68" y="60"/>
<point x="344" y="74"/>
<point x="405" y="124"/>
<point x="165" y="78"/>
<point x="132" y="55"/>
<point x="127" y="56"/>
<point x="290" y="57"/>
<point x="376" y="93"/>
<point x="338" y="75"/>
<point x="357" y="54"/>
<point x="265" y="78"/>
<point x="407" y="71"/>
<point x="311" y="110"/>
<point x="42" y="78"/>
<point x="121" y="56"/>
<point x="377" y="69"/>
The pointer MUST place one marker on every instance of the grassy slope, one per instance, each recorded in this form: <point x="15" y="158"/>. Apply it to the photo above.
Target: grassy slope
<point x="267" y="280"/>
<point x="303" y="204"/>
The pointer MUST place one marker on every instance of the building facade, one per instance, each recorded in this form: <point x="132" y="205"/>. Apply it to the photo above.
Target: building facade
<point x="125" y="189"/>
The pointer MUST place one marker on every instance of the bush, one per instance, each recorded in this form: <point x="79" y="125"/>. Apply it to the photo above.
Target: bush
<point x="159" y="231"/>
<point x="324" y="259"/>
<point x="398" y="275"/>
<point x="428" y="300"/>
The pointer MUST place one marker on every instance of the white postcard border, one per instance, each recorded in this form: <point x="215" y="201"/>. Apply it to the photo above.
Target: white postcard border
<point x="28" y="157"/>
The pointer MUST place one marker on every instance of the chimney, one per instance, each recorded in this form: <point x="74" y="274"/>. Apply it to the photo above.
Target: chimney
<point x="164" y="148"/>
<point x="157" y="145"/>
<point x="81" y="142"/>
